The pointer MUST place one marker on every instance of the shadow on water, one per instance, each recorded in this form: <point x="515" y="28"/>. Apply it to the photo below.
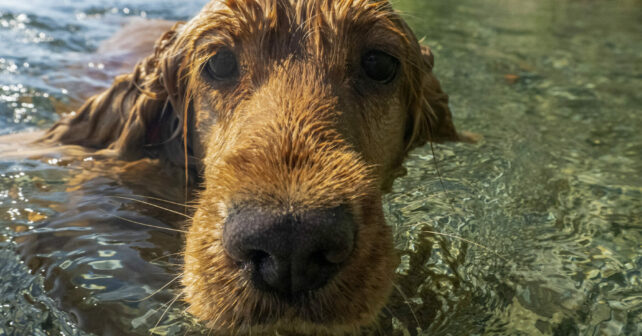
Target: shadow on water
<point x="553" y="192"/>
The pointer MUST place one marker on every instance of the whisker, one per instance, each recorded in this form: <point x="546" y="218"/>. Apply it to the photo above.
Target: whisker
<point x="157" y="291"/>
<point x="155" y="206"/>
<point x="143" y="224"/>
<point x="405" y="15"/>
<point x="392" y="315"/>
<point x="167" y="256"/>
<point x="168" y="264"/>
<point x="168" y="201"/>
<point x="441" y="180"/>
<point x="165" y="312"/>
<point x="405" y="298"/>
<point x="467" y="241"/>
<point x="187" y="331"/>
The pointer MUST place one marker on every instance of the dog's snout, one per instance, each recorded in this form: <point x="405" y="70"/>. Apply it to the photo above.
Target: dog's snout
<point x="290" y="254"/>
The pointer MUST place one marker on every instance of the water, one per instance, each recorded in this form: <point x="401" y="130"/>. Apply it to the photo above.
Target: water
<point x="553" y="192"/>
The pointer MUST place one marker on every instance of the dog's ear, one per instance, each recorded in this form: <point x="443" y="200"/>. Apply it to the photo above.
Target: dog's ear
<point x="430" y="118"/>
<point x="140" y="113"/>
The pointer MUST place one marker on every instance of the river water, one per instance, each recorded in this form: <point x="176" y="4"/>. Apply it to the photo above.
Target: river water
<point x="535" y="230"/>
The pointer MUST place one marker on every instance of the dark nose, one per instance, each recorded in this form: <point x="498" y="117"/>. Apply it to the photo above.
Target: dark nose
<point x="290" y="254"/>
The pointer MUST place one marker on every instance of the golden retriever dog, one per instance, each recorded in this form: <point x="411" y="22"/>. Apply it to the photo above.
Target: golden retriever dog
<point x="292" y="118"/>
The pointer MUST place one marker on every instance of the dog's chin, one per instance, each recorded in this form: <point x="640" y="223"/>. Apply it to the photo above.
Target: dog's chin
<point x="249" y="310"/>
<point x="299" y="327"/>
<point x="299" y="314"/>
<point x="290" y="327"/>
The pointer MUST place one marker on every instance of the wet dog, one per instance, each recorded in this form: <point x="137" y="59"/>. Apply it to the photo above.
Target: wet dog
<point x="293" y="117"/>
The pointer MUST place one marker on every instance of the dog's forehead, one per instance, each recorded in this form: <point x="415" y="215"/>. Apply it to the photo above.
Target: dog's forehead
<point x="216" y="5"/>
<point x="308" y="19"/>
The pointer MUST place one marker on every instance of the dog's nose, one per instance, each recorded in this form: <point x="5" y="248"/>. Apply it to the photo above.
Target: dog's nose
<point x="290" y="254"/>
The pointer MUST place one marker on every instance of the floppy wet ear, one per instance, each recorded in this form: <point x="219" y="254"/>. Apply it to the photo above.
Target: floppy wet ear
<point x="138" y="114"/>
<point x="430" y="119"/>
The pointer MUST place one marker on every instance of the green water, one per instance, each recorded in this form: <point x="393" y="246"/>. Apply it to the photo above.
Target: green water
<point x="555" y="186"/>
<point x="547" y="207"/>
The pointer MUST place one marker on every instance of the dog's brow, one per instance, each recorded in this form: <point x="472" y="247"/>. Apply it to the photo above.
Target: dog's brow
<point x="277" y="28"/>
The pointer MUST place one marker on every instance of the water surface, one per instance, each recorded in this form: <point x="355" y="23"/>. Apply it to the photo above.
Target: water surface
<point x="549" y="203"/>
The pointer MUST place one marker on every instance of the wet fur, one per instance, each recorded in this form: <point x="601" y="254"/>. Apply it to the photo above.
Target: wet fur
<point x="302" y="129"/>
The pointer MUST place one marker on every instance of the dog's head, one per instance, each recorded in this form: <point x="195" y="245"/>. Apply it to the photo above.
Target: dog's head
<point x="300" y="114"/>
<point x="297" y="116"/>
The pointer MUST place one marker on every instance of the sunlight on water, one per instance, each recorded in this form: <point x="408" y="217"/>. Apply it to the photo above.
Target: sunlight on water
<point x="535" y="230"/>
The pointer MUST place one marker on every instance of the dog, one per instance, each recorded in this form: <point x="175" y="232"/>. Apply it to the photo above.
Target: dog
<point x="293" y="118"/>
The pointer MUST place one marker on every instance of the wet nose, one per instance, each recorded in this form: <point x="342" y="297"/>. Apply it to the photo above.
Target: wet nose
<point x="290" y="254"/>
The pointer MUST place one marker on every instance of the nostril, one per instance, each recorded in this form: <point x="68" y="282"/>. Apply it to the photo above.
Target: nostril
<point x="257" y="257"/>
<point x="328" y="257"/>
<point x="269" y="273"/>
<point x="320" y="258"/>
<point x="338" y="256"/>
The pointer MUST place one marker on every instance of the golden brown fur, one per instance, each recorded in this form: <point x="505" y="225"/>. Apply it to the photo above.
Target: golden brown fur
<point x="301" y="129"/>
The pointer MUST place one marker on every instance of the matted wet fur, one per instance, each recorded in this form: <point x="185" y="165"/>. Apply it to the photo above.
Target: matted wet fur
<point x="301" y="127"/>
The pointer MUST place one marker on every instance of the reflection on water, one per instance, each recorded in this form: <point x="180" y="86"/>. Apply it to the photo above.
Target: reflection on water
<point x="553" y="193"/>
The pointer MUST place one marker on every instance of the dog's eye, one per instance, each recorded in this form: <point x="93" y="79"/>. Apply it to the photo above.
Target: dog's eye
<point x="222" y="66"/>
<point x="380" y="66"/>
